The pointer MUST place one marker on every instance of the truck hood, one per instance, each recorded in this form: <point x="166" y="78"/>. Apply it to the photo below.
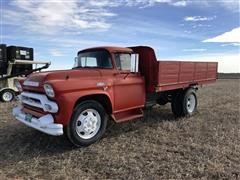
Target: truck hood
<point x="38" y="79"/>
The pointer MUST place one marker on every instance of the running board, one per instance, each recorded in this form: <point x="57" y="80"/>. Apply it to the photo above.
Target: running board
<point x="127" y="115"/>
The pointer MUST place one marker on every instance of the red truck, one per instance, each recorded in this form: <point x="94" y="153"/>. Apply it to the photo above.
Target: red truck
<point x="108" y="83"/>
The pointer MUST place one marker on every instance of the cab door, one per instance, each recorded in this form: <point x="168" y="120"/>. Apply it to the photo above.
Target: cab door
<point x="128" y="88"/>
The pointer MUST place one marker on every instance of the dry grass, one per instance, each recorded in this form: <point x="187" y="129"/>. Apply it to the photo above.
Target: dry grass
<point x="157" y="146"/>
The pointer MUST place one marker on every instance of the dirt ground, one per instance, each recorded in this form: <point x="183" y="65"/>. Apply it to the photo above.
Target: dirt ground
<point x="206" y="145"/>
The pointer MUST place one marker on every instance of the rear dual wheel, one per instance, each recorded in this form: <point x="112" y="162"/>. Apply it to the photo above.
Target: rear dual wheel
<point x="184" y="103"/>
<point x="88" y="123"/>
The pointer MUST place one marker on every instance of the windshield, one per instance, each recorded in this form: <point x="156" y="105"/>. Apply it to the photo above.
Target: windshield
<point x="94" y="59"/>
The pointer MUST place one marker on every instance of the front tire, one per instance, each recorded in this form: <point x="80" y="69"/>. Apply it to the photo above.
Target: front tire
<point x="88" y="123"/>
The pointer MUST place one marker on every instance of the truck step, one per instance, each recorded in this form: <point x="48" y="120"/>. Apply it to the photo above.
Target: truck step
<point x="127" y="115"/>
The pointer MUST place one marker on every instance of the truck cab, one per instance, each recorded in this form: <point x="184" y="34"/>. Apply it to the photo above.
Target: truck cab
<point x="106" y="83"/>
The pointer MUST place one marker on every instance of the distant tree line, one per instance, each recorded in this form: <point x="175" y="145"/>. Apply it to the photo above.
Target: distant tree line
<point x="228" y="75"/>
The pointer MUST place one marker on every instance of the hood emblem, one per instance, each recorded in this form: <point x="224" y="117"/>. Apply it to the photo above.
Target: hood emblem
<point x="31" y="83"/>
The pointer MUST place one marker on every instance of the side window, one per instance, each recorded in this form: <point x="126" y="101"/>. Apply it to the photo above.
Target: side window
<point x="123" y="61"/>
<point x="89" y="62"/>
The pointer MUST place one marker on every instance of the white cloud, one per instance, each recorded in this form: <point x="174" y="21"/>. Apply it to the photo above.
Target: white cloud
<point x="188" y="32"/>
<point x="104" y="3"/>
<point x="56" y="53"/>
<point x="232" y="36"/>
<point x="235" y="44"/>
<point x="198" y="18"/>
<point x="231" y="44"/>
<point x="194" y="50"/>
<point x="75" y="16"/>
<point x="231" y="5"/>
<point x="180" y="3"/>
<point x="200" y="25"/>
<point x="51" y="16"/>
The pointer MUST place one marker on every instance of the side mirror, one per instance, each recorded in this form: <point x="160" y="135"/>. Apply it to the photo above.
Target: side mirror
<point x="134" y="62"/>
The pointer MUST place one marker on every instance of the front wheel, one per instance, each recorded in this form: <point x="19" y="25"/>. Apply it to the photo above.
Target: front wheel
<point x="88" y="123"/>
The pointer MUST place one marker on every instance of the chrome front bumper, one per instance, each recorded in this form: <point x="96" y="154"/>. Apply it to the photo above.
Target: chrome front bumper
<point x="45" y="123"/>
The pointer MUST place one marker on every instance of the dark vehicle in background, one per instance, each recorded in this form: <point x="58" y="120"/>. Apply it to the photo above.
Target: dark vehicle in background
<point x="15" y="63"/>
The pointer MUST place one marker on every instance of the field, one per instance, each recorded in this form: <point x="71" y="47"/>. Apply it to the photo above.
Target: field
<point x="206" y="145"/>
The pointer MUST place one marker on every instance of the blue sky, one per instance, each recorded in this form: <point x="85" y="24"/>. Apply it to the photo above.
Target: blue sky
<point x="176" y="29"/>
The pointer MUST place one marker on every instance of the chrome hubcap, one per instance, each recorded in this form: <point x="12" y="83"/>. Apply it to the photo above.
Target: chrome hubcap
<point x="7" y="96"/>
<point x="191" y="103"/>
<point x="88" y="123"/>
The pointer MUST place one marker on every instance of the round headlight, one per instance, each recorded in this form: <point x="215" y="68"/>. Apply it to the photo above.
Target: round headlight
<point x="49" y="90"/>
<point x="19" y="86"/>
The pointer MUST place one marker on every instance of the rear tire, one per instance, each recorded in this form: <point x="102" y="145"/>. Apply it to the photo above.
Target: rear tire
<point x="162" y="101"/>
<point x="88" y="123"/>
<point x="176" y="104"/>
<point x="189" y="102"/>
<point x="184" y="103"/>
<point x="7" y="95"/>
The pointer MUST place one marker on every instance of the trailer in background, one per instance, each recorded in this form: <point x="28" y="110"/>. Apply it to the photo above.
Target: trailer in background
<point x="3" y="59"/>
<point x="15" y="64"/>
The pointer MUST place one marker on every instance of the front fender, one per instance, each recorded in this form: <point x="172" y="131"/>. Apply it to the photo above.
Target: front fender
<point x="67" y="101"/>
